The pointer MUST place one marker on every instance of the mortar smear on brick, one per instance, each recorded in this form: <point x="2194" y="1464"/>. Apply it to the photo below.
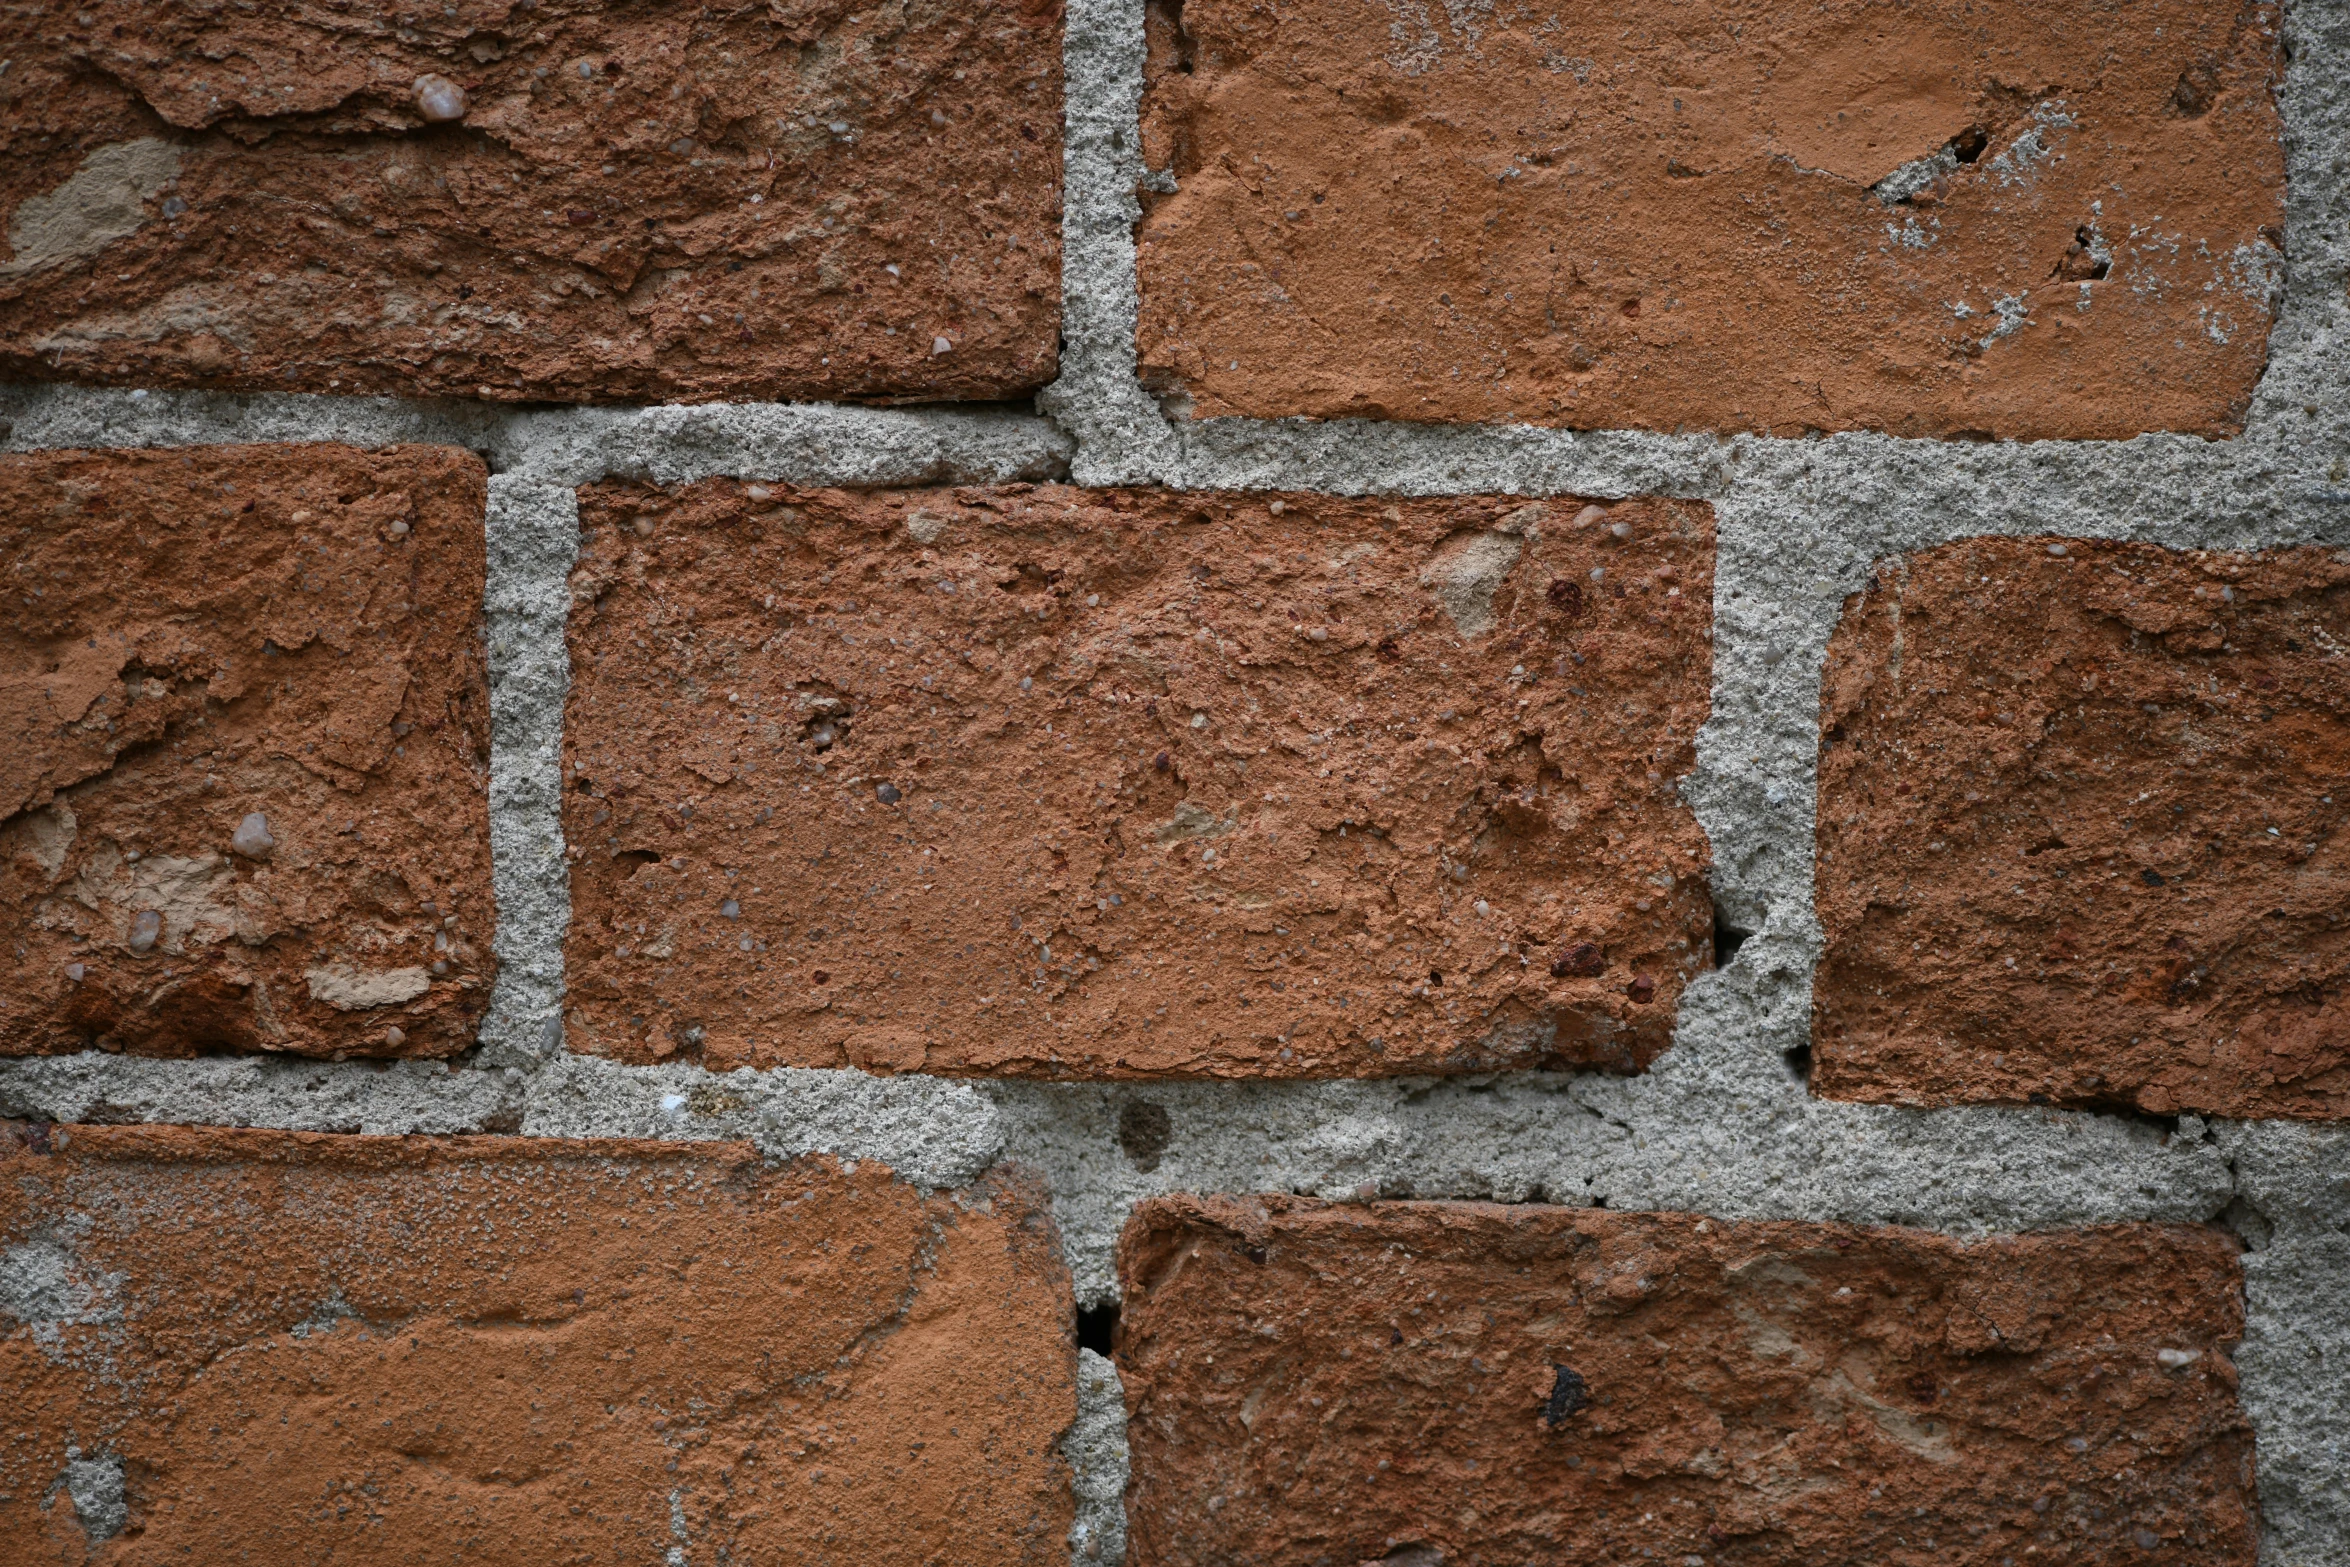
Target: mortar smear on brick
<point x="1054" y="782"/>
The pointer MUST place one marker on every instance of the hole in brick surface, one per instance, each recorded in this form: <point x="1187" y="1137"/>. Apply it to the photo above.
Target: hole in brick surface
<point x="1413" y="1555"/>
<point x="1164" y="20"/>
<point x="1798" y="1063"/>
<point x="2197" y="87"/>
<point x="1969" y="144"/>
<point x="1435" y="978"/>
<point x="2085" y="260"/>
<point x="1568" y="1394"/>
<point x="1728" y="938"/>
<point x="1097" y="1328"/>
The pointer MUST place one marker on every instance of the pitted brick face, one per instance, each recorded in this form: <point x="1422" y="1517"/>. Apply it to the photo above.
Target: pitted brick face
<point x="1060" y="782"/>
<point x="363" y="1350"/>
<point x="2079" y="831"/>
<point x="596" y="202"/>
<point x="1949" y="219"/>
<point x="243" y="751"/>
<point x="1465" y="1382"/>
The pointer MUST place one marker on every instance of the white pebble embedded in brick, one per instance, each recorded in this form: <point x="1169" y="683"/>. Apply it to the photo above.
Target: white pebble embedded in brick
<point x="252" y="838"/>
<point x="439" y="100"/>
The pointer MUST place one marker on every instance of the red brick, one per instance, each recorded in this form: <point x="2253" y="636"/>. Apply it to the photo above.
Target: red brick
<point x="2078" y="838"/>
<point x="367" y="1350"/>
<point x="1662" y="215"/>
<point x="1349" y="1384"/>
<point x="1134" y="783"/>
<point x="194" y="637"/>
<point x="642" y="201"/>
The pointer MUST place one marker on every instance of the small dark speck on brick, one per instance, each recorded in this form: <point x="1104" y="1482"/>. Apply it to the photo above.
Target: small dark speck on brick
<point x="1567" y="1394"/>
<point x="2151" y="878"/>
<point x="887" y="794"/>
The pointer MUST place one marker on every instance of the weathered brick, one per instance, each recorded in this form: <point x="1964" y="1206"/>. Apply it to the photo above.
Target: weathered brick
<point x="286" y="636"/>
<point x="2078" y="838"/>
<point x="1060" y="782"/>
<point x="800" y="199"/>
<point x="1948" y="218"/>
<point x="361" y="1350"/>
<point x="1470" y="1382"/>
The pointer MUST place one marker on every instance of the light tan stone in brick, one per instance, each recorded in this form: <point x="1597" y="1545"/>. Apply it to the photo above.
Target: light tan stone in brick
<point x="1418" y="1383"/>
<point x="363" y="1350"/>
<point x="244" y="728"/>
<point x="1069" y="783"/>
<point x="594" y="202"/>
<point x="2079" y="827"/>
<point x="1954" y="217"/>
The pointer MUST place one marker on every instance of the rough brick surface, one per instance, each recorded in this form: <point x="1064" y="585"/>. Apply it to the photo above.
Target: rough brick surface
<point x="1065" y="782"/>
<point x="296" y="1348"/>
<point x="194" y="638"/>
<point x="2079" y="831"/>
<point x="1943" y="219"/>
<point x="638" y="200"/>
<point x="1478" y="1383"/>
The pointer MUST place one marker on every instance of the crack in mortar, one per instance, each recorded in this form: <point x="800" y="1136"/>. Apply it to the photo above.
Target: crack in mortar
<point x="1720" y="1126"/>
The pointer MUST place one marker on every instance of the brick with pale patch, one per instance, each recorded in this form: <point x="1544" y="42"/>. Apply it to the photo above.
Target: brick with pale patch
<point x="244" y="770"/>
<point x="265" y="1346"/>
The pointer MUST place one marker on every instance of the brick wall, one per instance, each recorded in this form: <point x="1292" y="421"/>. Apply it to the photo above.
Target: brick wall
<point x="1174" y="782"/>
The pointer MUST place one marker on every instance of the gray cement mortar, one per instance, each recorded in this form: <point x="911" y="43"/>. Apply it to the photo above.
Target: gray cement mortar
<point x="1096" y="1450"/>
<point x="533" y="532"/>
<point x="1721" y="1125"/>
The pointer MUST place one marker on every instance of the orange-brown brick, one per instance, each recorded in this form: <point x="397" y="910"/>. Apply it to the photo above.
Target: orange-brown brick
<point x="1668" y="215"/>
<point x="1063" y="782"/>
<point x="1469" y="1382"/>
<point x="192" y="638"/>
<point x="640" y="201"/>
<point x="2079" y="819"/>
<point x="371" y="1350"/>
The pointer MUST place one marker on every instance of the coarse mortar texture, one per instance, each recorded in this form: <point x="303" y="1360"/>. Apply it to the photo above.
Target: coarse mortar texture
<point x="1723" y="1124"/>
<point x="1096" y="1450"/>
